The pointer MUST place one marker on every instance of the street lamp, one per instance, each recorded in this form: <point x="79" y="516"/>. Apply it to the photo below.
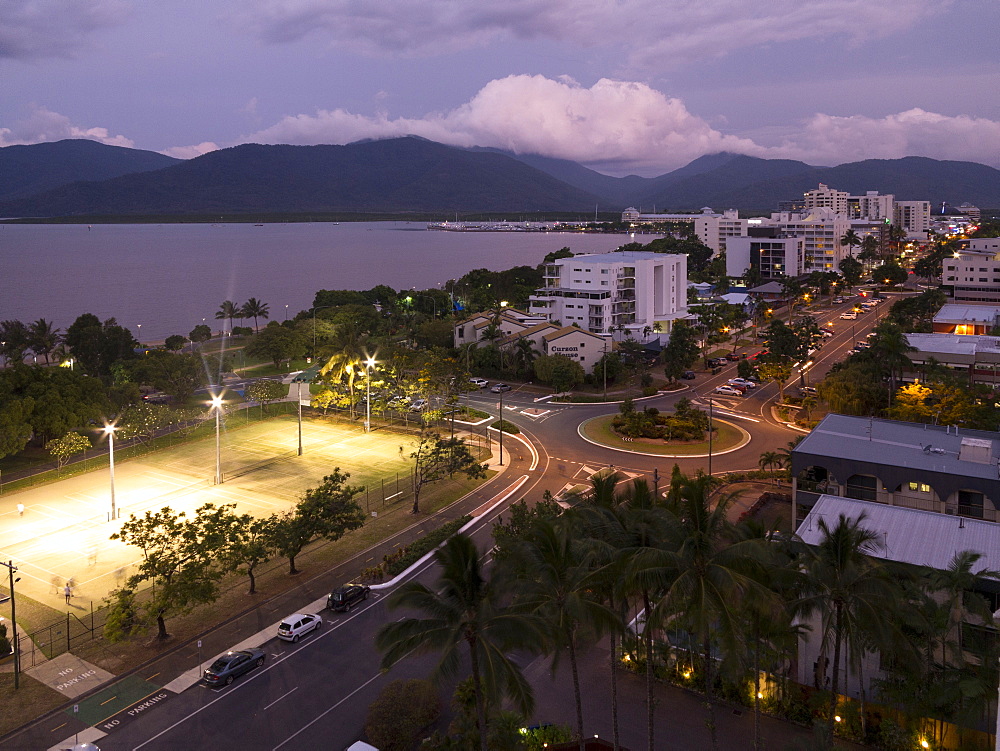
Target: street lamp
<point x="109" y="429"/>
<point x="314" y="324"/>
<point x="217" y="406"/>
<point x="286" y="312"/>
<point x="138" y="327"/>
<point x="369" y="364"/>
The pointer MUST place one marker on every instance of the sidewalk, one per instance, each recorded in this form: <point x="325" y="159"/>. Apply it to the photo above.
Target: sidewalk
<point x="181" y="667"/>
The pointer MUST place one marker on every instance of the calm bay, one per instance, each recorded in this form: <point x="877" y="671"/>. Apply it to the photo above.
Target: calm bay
<point x="169" y="277"/>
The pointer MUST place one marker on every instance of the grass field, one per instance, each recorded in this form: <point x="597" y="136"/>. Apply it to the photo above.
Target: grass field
<point x="598" y="429"/>
<point x="63" y="535"/>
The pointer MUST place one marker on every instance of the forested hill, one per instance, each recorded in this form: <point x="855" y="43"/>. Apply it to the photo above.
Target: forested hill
<point x="29" y="170"/>
<point x="402" y="174"/>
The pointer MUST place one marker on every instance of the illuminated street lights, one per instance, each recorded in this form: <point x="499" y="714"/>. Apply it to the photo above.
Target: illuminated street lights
<point x="110" y="429"/>
<point x="217" y="406"/>
<point x="369" y="364"/>
<point x="138" y="328"/>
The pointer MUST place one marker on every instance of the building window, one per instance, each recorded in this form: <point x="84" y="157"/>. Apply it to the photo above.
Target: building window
<point x="970" y="504"/>
<point x="921" y="487"/>
<point x="862" y="488"/>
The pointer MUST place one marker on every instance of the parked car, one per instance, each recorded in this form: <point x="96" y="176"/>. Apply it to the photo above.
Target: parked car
<point x="826" y="332"/>
<point x="418" y="405"/>
<point x="479" y="382"/>
<point x="861" y="345"/>
<point x="499" y="388"/>
<point x="742" y="382"/>
<point x="838" y="300"/>
<point x="728" y="390"/>
<point x="807" y="390"/>
<point x="344" y="598"/>
<point x="232" y="665"/>
<point x="717" y="362"/>
<point x="736" y="356"/>
<point x="688" y="375"/>
<point x="295" y="626"/>
<point x="850" y="316"/>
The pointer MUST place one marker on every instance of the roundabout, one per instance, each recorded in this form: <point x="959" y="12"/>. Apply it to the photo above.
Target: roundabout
<point x="729" y="437"/>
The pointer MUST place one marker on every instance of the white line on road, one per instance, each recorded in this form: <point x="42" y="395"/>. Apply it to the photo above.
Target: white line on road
<point x="280" y="698"/>
<point x="320" y="717"/>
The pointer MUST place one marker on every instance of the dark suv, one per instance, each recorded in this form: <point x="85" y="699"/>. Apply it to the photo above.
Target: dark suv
<point x="346" y="597"/>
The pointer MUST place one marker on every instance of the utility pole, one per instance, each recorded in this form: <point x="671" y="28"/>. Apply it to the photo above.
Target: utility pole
<point x="710" y="404"/>
<point x="500" y="406"/>
<point x="15" y="642"/>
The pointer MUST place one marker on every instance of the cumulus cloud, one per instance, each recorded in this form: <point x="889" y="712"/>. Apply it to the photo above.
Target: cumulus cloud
<point x="190" y="152"/>
<point x="655" y="33"/>
<point x="623" y="126"/>
<point x="45" y="125"/>
<point x="32" y="29"/>
<point x="826" y="139"/>
<point x="621" y="123"/>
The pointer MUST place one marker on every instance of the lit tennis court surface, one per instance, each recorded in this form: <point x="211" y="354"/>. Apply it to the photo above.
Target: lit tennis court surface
<point x="63" y="535"/>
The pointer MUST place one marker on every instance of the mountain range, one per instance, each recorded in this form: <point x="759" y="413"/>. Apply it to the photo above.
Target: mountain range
<point x="411" y="174"/>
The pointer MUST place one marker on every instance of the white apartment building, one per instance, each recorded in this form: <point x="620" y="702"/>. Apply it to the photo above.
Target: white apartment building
<point x="773" y="257"/>
<point x="872" y="206"/>
<point x="825" y="197"/>
<point x="712" y="228"/>
<point x="973" y="275"/>
<point x="820" y="230"/>
<point x="914" y="217"/>
<point x="984" y="244"/>
<point x="616" y="292"/>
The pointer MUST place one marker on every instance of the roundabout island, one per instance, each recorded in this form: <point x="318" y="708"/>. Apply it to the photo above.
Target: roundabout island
<point x="726" y="437"/>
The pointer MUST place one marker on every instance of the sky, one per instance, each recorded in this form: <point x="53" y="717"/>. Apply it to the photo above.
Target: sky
<point x="622" y="86"/>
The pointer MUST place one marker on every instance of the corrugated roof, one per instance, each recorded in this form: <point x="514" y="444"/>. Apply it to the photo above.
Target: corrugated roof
<point x="956" y="313"/>
<point x="565" y="330"/>
<point x="898" y="444"/>
<point x="923" y="538"/>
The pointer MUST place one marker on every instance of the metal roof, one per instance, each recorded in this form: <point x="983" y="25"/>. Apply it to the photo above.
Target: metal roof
<point x="923" y="538"/>
<point x="957" y="313"/>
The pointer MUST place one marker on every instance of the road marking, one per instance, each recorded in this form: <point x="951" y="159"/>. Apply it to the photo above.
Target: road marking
<point x="253" y="675"/>
<point x="320" y="717"/>
<point x="280" y="698"/>
<point x="111" y="699"/>
<point x="152" y="676"/>
<point x="58" y="726"/>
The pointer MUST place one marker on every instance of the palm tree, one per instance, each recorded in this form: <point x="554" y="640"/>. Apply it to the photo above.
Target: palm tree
<point x="43" y="338"/>
<point x="523" y="354"/>
<point x="770" y="459"/>
<point x="851" y="239"/>
<point x="254" y="308"/>
<point x="560" y="586"/>
<point x="713" y="573"/>
<point x="228" y="310"/>
<point x="646" y="572"/>
<point x="870" y="248"/>
<point x="849" y="589"/>
<point x="891" y="347"/>
<point x="15" y="338"/>
<point x="464" y="609"/>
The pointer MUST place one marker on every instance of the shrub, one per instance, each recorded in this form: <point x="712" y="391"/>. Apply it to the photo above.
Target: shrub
<point x="5" y="648"/>
<point x="402" y="710"/>
<point x="403" y="558"/>
<point x="506" y="427"/>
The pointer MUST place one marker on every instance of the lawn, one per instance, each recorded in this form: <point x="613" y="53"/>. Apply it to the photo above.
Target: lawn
<point x="598" y="429"/>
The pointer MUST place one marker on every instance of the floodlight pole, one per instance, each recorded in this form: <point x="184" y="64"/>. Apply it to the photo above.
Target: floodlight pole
<point x="110" y="430"/>
<point x="15" y="643"/>
<point x="299" y="400"/>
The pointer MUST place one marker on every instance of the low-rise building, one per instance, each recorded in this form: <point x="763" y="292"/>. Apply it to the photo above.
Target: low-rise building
<point x="973" y="275"/>
<point x="928" y="467"/>
<point x="508" y="321"/>
<point x="578" y="345"/>
<point x="911" y="537"/>
<point x="976" y="355"/>
<point x="954" y="318"/>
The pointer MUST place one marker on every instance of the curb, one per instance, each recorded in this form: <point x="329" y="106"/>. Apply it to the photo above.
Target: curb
<point x="743" y="442"/>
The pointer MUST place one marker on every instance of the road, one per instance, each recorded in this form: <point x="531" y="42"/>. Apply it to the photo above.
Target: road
<point x="314" y="694"/>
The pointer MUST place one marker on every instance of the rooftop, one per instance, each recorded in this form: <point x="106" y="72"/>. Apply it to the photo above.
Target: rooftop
<point x="922" y="538"/>
<point x="626" y="256"/>
<point x="955" y="313"/>
<point x="905" y="445"/>
<point x="955" y="344"/>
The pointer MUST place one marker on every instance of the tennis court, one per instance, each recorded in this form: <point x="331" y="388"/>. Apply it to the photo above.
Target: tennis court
<point x="63" y="534"/>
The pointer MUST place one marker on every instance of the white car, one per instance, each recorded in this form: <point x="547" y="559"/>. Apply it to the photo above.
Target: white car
<point x="728" y="390"/>
<point x="479" y="382"/>
<point x="742" y="382"/>
<point x="297" y="625"/>
<point x="418" y="405"/>
<point x="849" y="316"/>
